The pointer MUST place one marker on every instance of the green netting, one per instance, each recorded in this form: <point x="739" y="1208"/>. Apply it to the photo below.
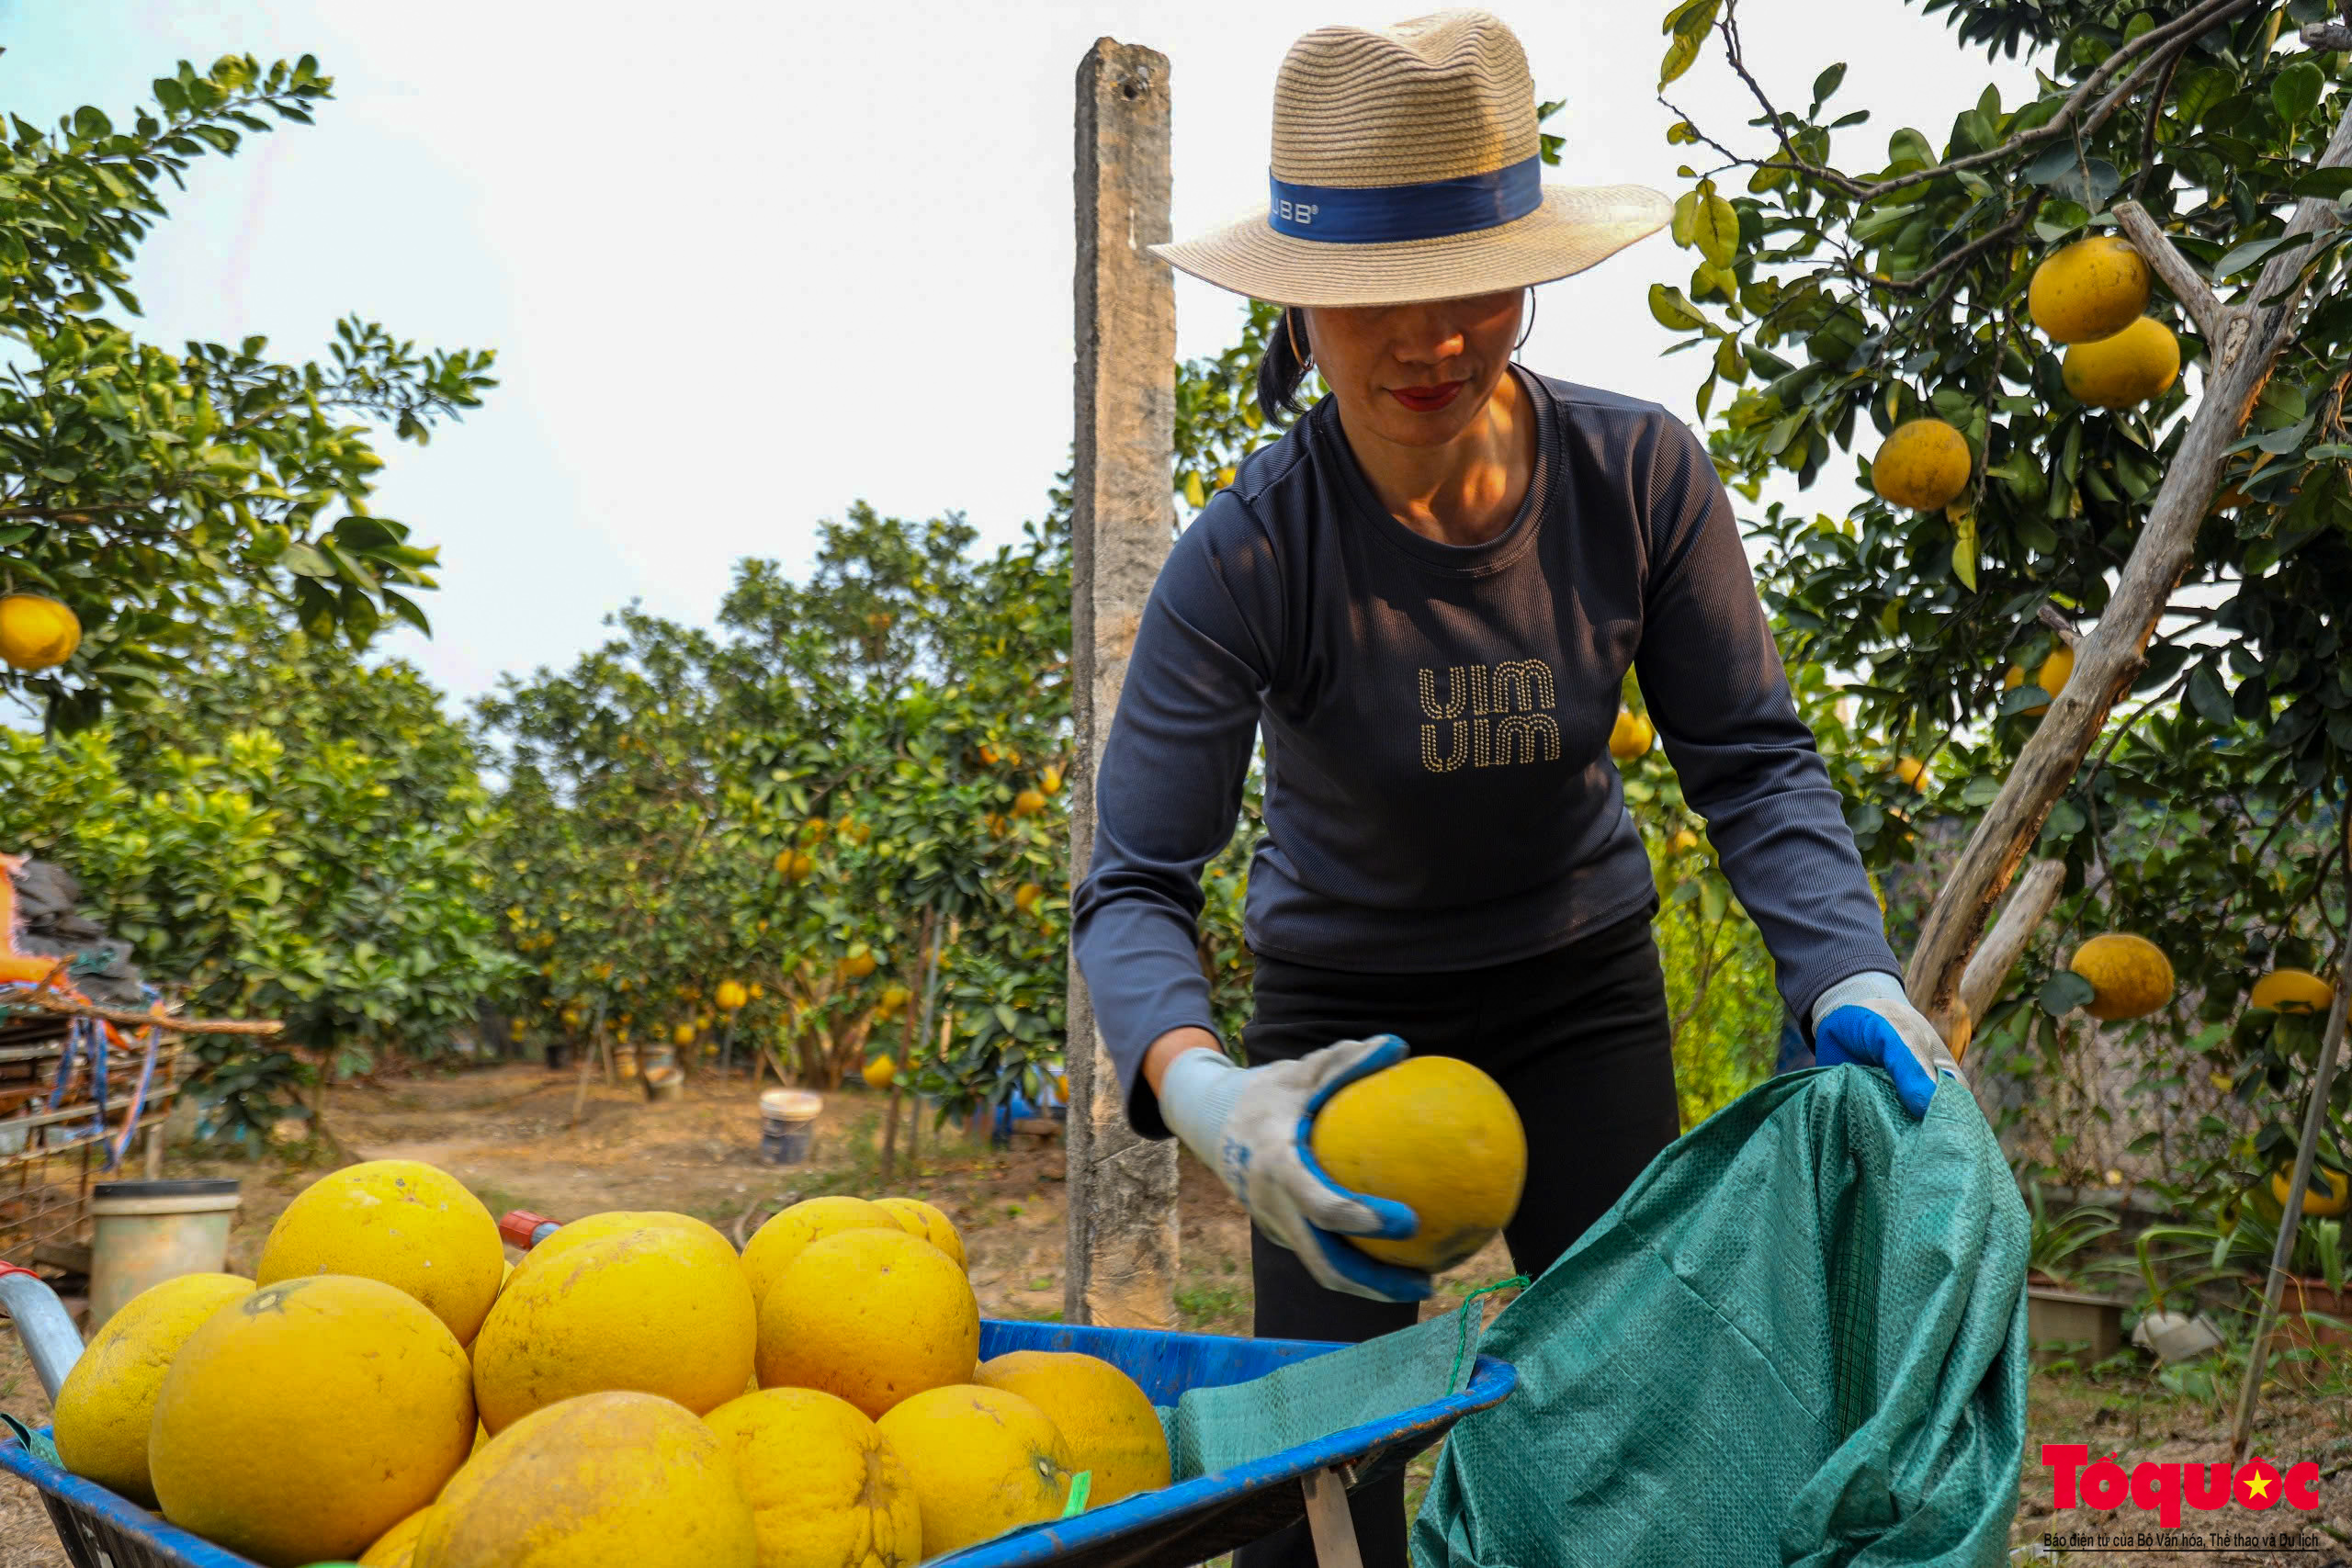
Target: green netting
<point x="1219" y="1428"/>
<point x="1798" y="1339"/>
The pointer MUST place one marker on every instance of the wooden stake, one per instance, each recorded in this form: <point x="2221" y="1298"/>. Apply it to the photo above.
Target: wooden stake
<point x="1123" y="1237"/>
<point x="1329" y="1523"/>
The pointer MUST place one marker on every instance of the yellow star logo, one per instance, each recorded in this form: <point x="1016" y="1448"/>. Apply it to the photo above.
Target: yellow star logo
<point x="2258" y="1487"/>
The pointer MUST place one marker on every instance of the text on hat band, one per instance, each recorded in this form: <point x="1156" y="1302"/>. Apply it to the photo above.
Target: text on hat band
<point x="1359" y="214"/>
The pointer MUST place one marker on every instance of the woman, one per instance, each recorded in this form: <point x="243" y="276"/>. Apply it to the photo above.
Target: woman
<point x="1426" y="595"/>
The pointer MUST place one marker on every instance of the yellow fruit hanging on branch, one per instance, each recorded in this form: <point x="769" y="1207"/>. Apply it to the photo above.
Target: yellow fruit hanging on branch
<point x="2055" y="671"/>
<point x="1911" y="773"/>
<point x="2131" y="366"/>
<point x="2130" y="975"/>
<point x="857" y="966"/>
<point x="1028" y="803"/>
<point x="1683" y="842"/>
<point x="731" y="995"/>
<point x="2090" y="289"/>
<point x="794" y="864"/>
<point x="880" y="1073"/>
<point x="1438" y="1135"/>
<point x="1026" y="896"/>
<point x="2329" y="1194"/>
<point x="1922" y="464"/>
<point x="37" y="632"/>
<point x="684" y="1035"/>
<point x="1631" y="736"/>
<point x="2292" y="991"/>
<point x="1050" y="781"/>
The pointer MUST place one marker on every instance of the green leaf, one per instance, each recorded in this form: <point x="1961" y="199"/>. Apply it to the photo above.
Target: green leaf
<point x="1715" y="230"/>
<point x="304" y="561"/>
<point x="2209" y="697"/>
<point x="1672" y="310"/>
<point x="2065" y="991"/>
<point x="1963" y="549"/>
<point x="2327" y="184"/>
<point x="2195" y="92"/>
<point x="2294" y="92"/>
<point x="1689" y="24"/>
<point x="1826" y="84"/>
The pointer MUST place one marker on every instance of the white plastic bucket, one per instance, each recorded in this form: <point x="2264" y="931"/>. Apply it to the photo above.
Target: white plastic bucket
<point x="144" y="1233"/>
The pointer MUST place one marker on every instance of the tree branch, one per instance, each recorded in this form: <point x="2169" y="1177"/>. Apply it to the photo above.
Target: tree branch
<point x="2163" y="259"/>
<point x="2029" y="906"/>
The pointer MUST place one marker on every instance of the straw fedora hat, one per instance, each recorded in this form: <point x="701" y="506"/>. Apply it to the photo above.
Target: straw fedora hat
<point x="1406" y="168"/>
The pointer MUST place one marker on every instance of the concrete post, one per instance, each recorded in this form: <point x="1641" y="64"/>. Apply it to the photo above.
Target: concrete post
<point x="1122" y="1254"/>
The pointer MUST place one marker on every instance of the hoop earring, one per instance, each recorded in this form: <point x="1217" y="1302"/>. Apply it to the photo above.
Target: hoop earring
<point x="1528" y="330"/>
<point x="1291" y="332"/>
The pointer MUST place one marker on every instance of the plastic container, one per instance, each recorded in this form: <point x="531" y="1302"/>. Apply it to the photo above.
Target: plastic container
<point x="625" y="1062"/>
<point x="788" y="1124"/>
<point x="147" y="1232"/>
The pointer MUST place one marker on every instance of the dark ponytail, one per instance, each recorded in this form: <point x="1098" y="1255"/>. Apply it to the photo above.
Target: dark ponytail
<point x="1282" y="372"/>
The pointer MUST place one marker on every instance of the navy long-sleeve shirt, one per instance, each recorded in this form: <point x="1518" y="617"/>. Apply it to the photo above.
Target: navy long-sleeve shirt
<point x="1438" y="793"/>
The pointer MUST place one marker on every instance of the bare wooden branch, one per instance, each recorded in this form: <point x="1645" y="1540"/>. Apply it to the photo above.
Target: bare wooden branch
<point x="2029" y="903"/>
<point x="2049" y="616"/>
<point x="2112" y="656"/>
<point x="2326" y="35"/>
<point x="49" y="1001"/>
<point x="2163" y="259"/>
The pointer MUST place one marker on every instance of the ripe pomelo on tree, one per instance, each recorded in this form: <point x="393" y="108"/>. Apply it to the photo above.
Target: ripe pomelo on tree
<point x="880" y="1073"/>
<point x="1107" y="1424"/>
<point x="605" y="1478"/>
<point x="2092" y="289"/>
<point x="919" y="1218"/>
<point x="408" y="1224"/>
<point x="984" y="1460"/>
<point x="2129" y="367"/>
<point x="1436" y="1135"/>
<point x="299" y="1423"/>
<point x="776" y="1243"/>
<point x="658" y="1310"/>
<point x="107" y="1402"/>
<point x="731" y="995"/>
<point x="1911" y="772"/>
<point x="2055" y="671"/>
<point x="37" y="632"/>
<point x="1630" y="736"/>
<point x="2329" y="1194"/>
<point x="684" y="1035"/>
<point x="2130" y="975"/>
<point x="1683" y="841"/>
<point x="1026" y="896"/>
<point x="871" y="1315"/>
<point x="1922" y="464"/>
<point x="2292" y="991"/>
<point x="1028" y="803"/>
<point x="826" y="1488"/>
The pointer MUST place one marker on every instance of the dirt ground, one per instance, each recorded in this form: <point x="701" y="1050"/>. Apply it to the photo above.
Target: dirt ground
<point x="508" y="1133"/>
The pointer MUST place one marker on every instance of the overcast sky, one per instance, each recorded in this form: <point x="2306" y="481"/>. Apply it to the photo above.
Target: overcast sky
<point x="744" y="264"/>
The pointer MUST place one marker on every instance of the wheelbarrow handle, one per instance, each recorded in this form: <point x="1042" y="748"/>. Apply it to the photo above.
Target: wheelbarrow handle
<point x="43" y="1323"/>
<point x="522" y="1228"/>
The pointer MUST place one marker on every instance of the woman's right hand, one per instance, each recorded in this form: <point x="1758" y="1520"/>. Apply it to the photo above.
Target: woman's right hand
<point x="1250" y="1126"/>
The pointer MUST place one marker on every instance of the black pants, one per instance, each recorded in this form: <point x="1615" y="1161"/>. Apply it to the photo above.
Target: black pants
<point x="1580" y="1040"/>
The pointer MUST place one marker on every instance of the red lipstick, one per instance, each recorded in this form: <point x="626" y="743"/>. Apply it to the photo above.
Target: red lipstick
<point x="1428" y="400"/>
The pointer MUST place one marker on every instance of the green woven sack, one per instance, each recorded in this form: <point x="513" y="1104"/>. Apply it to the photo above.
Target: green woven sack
<point x="1798" y="1339"/>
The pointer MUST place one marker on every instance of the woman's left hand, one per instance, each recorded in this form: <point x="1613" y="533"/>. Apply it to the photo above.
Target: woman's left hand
<point x="1869" y="1020"/>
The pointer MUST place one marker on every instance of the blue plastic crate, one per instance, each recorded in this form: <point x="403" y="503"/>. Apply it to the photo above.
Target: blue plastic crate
<point x="1178" y="1525"/>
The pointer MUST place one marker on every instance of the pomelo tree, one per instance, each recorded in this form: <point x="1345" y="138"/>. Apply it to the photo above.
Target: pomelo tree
<point x="2185" y="540"/>
<point x="139" y="486"/>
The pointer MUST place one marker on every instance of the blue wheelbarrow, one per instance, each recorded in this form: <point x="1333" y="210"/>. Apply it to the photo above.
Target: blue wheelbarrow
<point x="1198" y="1518"/>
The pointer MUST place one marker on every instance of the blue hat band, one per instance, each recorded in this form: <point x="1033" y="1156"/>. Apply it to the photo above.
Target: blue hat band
<point x="1369" y="215"/>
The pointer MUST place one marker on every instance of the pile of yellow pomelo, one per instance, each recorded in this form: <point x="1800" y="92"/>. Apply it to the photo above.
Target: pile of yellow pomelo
<point x="388" y="1389"/>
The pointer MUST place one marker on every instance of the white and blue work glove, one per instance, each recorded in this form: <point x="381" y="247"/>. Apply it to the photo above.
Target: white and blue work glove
<point x="1869" y="1020"/>
<point x="1249" y="1125"/>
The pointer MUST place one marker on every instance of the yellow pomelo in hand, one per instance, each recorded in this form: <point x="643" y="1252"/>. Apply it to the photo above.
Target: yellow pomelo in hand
<point x="776" y="1243"/>
<point x="1104" y="1417"/>
<point x="396" y="1548"/>
<point x="2293" y="990"/>
<point x="2092" y="289"/>
<point x="607" y="1480"/>
<point x="2134" y="364"/>
<point x="415" y="1228"/>
<point x="984" y="1461"/>
<point x="1922" y="464"/>
<point x="1630" y="736"/>
<point x="2130" y="975"/>
<point x="2328" y="1195"/>
<point x="658" y="1310"/>
<point x="301" y="1423"/>
<point x="37" y="632"/>
<point x="826" y="1489"/>
<point x="109" y="1399"/>
<point x="872" y="1315"/>
<point x="919" y="1218"/>
<point x="1437" y="1135"/>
